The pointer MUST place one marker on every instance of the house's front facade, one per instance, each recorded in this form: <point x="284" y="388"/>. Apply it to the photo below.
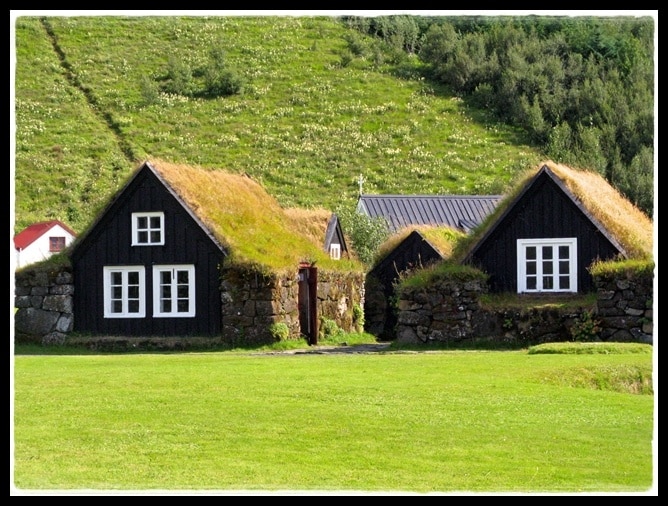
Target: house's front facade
<point x="41" y="240"/>
<point x="148" y="267"/>
<point x="183" y="251"/>
<point x="544" y="241"/>
<point x="335" y="241"/>
<point x="414" y="251"/>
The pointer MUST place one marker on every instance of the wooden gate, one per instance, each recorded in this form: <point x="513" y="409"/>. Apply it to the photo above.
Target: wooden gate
<point x="308" y="297"/>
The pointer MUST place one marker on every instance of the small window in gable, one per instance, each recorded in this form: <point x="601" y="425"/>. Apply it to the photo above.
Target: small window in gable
<point x="148" y="229"/>
<point x="335" y="251"/>
<point x="547" y="265"/>
<point x="56" y="244"/>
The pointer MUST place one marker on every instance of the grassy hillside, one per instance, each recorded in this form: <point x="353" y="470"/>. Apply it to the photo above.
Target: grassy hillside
<point x="307" y="125"/>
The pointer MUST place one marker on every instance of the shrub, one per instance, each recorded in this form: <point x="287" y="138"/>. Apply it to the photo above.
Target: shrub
<point x="329" y="330"/>
<point x="366" y="233"/>
<point x="149" y="91"/>
<point x="358" y="317"/>
<point x="586" y="328"/>
<point x="280" y="331"/>
<point x="179" y="78"/>
<point x="223" y="82"/>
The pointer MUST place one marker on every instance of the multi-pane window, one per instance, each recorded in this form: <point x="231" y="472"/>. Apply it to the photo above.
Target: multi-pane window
<point x="148" y="229"/>
<point x="124" y="292"/>
<point x="335" y="251"/>
<point x="173" y="290"/>
<point x="547" y="265"/>
<point x="56" y="244"/>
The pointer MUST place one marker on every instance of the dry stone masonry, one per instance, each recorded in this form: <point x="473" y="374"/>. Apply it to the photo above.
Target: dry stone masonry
<point x="43" y="305"/>
<point x="449" y="311"/>
<point x="446" y="311"/>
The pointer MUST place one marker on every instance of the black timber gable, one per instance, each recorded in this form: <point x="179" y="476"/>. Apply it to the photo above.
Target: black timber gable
<point x="108" y="243"/>
<point x="334" y="235"/>
<point x="415" y="251"/>
<point x="544" y="209"/>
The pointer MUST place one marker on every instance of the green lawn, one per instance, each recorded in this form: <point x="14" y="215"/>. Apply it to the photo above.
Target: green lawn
<point x="405" y="421"/>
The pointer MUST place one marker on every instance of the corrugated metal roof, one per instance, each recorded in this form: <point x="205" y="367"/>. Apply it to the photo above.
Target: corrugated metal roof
<point x="461" y="212"/>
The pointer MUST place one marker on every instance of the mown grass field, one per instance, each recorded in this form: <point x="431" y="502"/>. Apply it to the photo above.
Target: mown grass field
<point x="445" y="421"/>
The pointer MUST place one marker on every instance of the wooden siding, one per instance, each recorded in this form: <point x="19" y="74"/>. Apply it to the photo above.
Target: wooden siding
<point x="109" y="244"/>
<point x="334" y="235"/>
<point x="413" y="251"/>
<point x="543" y="211"/>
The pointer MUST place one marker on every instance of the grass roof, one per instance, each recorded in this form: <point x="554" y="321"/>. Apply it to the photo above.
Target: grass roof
<point x="632" y="228"/>
<point x="443" y="238"/>
<point x="628" y="224"/>
<point x="246" y="219"/>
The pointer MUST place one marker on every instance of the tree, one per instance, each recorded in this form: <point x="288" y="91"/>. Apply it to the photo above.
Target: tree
<point x="219" y="80"/>
<point x="366" y="233"/>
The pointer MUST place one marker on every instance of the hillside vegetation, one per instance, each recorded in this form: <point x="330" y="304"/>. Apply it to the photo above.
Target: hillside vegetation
<point x="306" y="122"/>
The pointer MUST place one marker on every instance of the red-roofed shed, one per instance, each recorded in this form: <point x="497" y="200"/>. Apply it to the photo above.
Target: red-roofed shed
<point x="41" y="240"/>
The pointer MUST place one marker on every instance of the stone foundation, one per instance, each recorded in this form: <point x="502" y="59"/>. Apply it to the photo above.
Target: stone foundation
<point x="449" y="311"/>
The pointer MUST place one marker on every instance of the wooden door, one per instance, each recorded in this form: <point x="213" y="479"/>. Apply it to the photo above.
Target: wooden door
<point x="308" y="298"/>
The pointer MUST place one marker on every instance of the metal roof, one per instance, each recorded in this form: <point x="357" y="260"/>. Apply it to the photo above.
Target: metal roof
<point x="462" y="212"/>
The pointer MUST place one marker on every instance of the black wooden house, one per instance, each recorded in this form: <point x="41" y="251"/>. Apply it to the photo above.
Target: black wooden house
<point x="148" y="266"/>
<point x="413" y="251"/>
<point x="184" y="251"/>
<point x="544" y="239"/>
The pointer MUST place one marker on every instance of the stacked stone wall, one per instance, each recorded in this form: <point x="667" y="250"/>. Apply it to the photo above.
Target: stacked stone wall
<point x="253" y="302"/>
<point x="625" y="307"/>
<point x="450" y="311"/>
<point x="43" y="302"/>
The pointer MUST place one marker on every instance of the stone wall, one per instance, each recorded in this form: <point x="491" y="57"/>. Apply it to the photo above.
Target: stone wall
<point x="44" y="305"/>
<point x="625" y="307"/>
<point x="338" y="293"/>
<point x="252" y="302"/>
<point x="450" y="311"/>
<point x="445" y="311"/>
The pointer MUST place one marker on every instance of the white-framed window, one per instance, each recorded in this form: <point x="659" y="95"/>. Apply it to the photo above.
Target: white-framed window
<point x="173" y="291"/>
<point x="148" y="229"/>
<point x="124" y="292"/>
<point x="335" y="251"/>
<point x="547" y="265"/>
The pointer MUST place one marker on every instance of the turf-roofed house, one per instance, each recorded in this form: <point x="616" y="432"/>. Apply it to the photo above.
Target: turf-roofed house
<point x="423" y="230"/>
<point x="410" y="248"/>
<point x="545" y="235"/>
<point x="539" y="240"/>
<point x="186" y="251"/>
